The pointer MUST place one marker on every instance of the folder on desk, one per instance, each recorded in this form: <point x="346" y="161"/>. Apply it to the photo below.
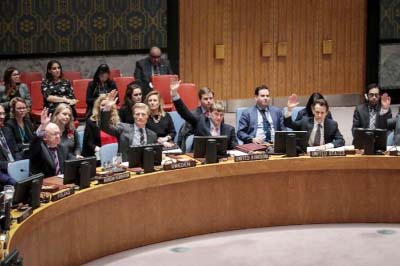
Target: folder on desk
<point x="250" y="147"/>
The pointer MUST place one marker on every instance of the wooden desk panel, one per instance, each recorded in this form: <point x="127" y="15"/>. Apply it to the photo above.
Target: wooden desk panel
<point x="156" y="207"/>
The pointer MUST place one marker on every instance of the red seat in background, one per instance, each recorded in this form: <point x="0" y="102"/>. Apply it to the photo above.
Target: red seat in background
<point x="161" y="84"/>
<point x="189" y="95"/>
<point x="80" y="88"/>
<point x="72" y="75"/>
<point x="115" y="73"/>
<point x="122" y="83"/>
<point x="37" y="99"/>
<point x="29" y="77"/>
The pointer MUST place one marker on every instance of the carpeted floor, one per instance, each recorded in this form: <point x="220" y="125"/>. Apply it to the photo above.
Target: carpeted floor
<point x="311" y="245"/>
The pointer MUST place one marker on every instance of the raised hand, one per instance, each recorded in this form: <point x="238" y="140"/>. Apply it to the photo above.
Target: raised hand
<point x="45" y="117"/>
<point x="292" y="102"/>
<point x="112" y="95"/>
<point x="385" y="101"/>
<point x="174" y="85"/>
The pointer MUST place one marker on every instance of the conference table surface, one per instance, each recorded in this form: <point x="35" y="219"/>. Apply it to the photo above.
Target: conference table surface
<point x="160" y="206"/>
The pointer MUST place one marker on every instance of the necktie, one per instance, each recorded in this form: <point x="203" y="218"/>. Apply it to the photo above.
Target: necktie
<point x="207" y="113"/>
<point x="372" y="118"/>
<point x="142" y="142"/>
<point x="5" y="147"/>
<point x="266" y="126"/>
<point x="317" y="138"/>
<point x="214" y="131"/>
<point x="53" y="152"/>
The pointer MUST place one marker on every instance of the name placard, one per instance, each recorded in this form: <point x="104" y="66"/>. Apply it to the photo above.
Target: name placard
<point x="251" y="157"/>
<point x="179" y="165"/>
<point x="394" y="153"/>
<point x="113" y="178"/>
<point x="327" y="153"/>
<point x="25" y="214"/>
<point x="62" y="194"/>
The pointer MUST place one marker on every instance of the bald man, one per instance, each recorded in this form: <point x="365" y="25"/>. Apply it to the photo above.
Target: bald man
<point x="48" y="155"/>
<point x="150" y="66"/>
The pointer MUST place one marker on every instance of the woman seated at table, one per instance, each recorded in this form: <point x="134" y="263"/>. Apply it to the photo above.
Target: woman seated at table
<point x="307" y="111"/>
<point x="101" y="84"/>
<point x="159" y="121"/>
<point x="56" y="89"/>
<point x="133" y="95"/>
<point x="20" y="125"/>
<point x="13" y="88"/>
<point x="64" y="119"/>
<point x="93" y="137"/>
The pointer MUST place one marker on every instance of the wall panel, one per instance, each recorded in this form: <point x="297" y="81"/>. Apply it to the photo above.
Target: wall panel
<point x="242" y="26"/>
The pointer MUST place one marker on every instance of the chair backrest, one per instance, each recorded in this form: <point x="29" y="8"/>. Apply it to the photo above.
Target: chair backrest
<point x="188" y="94"/>
<point x="107" y="152"/>
<point x="36" y="95"/>
<point x="80" y="88"/>
<point x="161" y="84"/>
<point x="122" y="83"/>
<point x="80" y="136"/>
<point x="72" y="75"/>
<point x="390" y="141"/>
<point x="189" y="143"/>
<point x="114" y="73"/>
<point x="178" y="122"/>
<point x="29" y="77"/>
<point x="239" y="112"/>
<point x="19" y="170"/>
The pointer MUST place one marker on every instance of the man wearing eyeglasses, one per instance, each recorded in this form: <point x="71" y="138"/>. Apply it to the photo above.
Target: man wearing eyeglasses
<point x="375" y="112"/>
<point x="150" y="66"/>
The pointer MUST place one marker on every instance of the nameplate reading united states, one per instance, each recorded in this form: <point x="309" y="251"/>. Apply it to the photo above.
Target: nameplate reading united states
<point x="327" y="153"/>
<point x="251" y="157"/>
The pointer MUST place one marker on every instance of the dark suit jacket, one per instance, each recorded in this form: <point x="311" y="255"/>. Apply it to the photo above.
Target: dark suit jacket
<point x="42" y="160"/>
<point x="361" y="117"/>
<point x="29" y="131"/>
<point x="8" y="135"/>
<point x="202" y="125"/>
<point x="91" y="138"/>
<point x="248" y="122"/>
<point x="187" y="129"/>
<point x="143" y="72"/>
<point x="92" y="93"/>
<point x="331" y="129"/>
<point x="124" y="133"/>
<point x="394" y="123"/>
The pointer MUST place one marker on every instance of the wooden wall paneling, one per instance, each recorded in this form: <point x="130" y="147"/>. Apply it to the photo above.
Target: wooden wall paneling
<point x="326" y="33"/>
<point x="218" y="37"/>
<point x="202" y="18"/>
<point x="236" y="88"/>
<point x="227" y="88"/>
<point x="209" y="44"/>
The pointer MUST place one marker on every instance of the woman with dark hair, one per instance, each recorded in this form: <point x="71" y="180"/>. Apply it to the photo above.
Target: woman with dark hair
<point x="307" y="111"/>
<point x="159" y="121"/>
<point x="13" y="88"/>
<point x="133" y="95"/>
<point x="101" y="84"/>
<point x="20" y="125"/>
<point x="56" y="89"/>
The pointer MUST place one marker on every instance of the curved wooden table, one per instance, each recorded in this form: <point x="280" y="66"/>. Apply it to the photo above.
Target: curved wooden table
<point x="156" y="207"/>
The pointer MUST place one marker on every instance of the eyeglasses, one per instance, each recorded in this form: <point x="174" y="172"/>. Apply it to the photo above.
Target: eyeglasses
<point x="373" y="94"/>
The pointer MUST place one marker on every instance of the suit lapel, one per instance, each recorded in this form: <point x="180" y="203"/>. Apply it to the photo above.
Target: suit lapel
<point x="47" y="155"/>
<point x="366" y="115"/>
<point x="254" y="118"/>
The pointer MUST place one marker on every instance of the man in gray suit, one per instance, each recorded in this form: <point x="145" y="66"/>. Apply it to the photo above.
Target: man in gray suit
<point x="128" y="134"/>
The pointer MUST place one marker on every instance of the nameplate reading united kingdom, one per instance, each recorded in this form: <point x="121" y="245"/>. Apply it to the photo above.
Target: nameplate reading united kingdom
<point x="251" y="157"/>
<point x="327" y="153"/>
<point x="179" y="165"/>
<point x="62" y="194"/>
<point x="113" y="178"/>
<point x="25" y="214"/>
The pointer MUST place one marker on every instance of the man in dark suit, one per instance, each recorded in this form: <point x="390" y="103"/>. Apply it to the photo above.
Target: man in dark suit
<point x="47" y="155"/>
<point x="206" y="98"/>
<point x="375" y="112"/>
<point x="150" y="66"/>
<point x="8" y="150"/>
<point x="206" y="125"/>
<point x="128" y="134"/>
<point x="322" y="132"/>
<point x="259" y="123"/>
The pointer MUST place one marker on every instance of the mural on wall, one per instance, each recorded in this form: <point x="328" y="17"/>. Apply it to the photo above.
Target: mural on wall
<point x="63" y="26"/>
<point x="389" y="19"/>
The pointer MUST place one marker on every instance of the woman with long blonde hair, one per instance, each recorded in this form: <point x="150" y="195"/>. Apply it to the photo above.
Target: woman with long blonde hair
<point x="93" y="137"/>
<point x="64" y="119"/>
